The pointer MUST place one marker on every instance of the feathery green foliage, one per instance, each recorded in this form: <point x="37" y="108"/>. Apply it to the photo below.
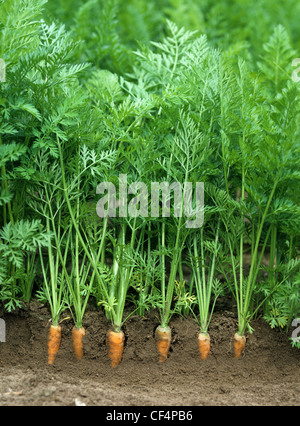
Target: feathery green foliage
<point x="171" y="91"/>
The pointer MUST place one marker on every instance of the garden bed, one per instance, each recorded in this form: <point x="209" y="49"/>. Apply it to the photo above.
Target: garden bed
<point x="267" y="374"/>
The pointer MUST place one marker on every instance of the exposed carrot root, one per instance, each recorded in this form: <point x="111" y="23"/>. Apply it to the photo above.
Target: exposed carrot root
<point x="239" y="345"/>
<point x="163" y="342"/>
<point x="204" y="345"/>
<point x="77" y="337"/>
<point x="116" y="346"/>
<point x="54" y="339"/>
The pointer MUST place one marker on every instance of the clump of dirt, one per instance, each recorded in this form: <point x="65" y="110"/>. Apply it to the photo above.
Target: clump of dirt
<point x="267" y="374"/>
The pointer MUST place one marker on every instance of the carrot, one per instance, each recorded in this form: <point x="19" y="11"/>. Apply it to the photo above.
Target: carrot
<point x="239" y="345"/>
<point x="54" y="339"/>
<point x="203" y="345"/>
<point x="163" y="342"/>
<point x="77" y="336"/>
<point x="116" y="346"/>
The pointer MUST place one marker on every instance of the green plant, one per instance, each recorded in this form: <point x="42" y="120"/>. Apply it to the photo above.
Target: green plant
<point x="17" y="241"/>
<point x="265" y="156"/>
<point x="112" y="89"/>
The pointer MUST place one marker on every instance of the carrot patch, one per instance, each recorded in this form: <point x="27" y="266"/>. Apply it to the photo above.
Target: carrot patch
<point x="77" y="337"/>
<point x="239" y="345"/>
<point x="116" y="346"/>
<point x="163" y="342"/>
<point x="54" y="339"/>
<point x="203" y="345"/>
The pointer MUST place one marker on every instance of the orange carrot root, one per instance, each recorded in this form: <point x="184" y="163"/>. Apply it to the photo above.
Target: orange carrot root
<point x="239" y="345"/>
<point x="116" y="346"/>
<point x="77" y="337"/>
<point x="163" y="342"/>
<point x="54" y="339"/>
<point x="203" y="345"/>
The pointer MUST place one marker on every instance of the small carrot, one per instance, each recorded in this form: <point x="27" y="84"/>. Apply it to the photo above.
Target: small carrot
<point x="54" y="339"/>
<point x="163" y="342"/>
<point x="203" y="345"/>
<point x="239" y="345"/>
<point x="77" y="337"/>
<point x="116" y="346"/>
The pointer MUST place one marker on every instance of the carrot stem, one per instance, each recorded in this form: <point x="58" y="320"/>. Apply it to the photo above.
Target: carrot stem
<point x="54" y="339"/>
<point x="163" y="342"/>
<point x="204" y="345"/>
<point x="77" y="337"/>
<point x="239" y="345"/>
<point x="116" y="347"/>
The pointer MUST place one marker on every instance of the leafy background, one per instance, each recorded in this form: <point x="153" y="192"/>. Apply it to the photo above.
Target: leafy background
<point x="99" y="87"/>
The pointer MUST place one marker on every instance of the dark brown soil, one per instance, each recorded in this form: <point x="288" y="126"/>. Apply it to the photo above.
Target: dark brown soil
<point x="267" y="374"/>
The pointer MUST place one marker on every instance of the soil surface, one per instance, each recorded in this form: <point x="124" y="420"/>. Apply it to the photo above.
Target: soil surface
<point x="267" y="374"/>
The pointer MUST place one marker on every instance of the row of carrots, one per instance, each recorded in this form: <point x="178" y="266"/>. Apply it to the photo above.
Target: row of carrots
<point x="115" y="341"/>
